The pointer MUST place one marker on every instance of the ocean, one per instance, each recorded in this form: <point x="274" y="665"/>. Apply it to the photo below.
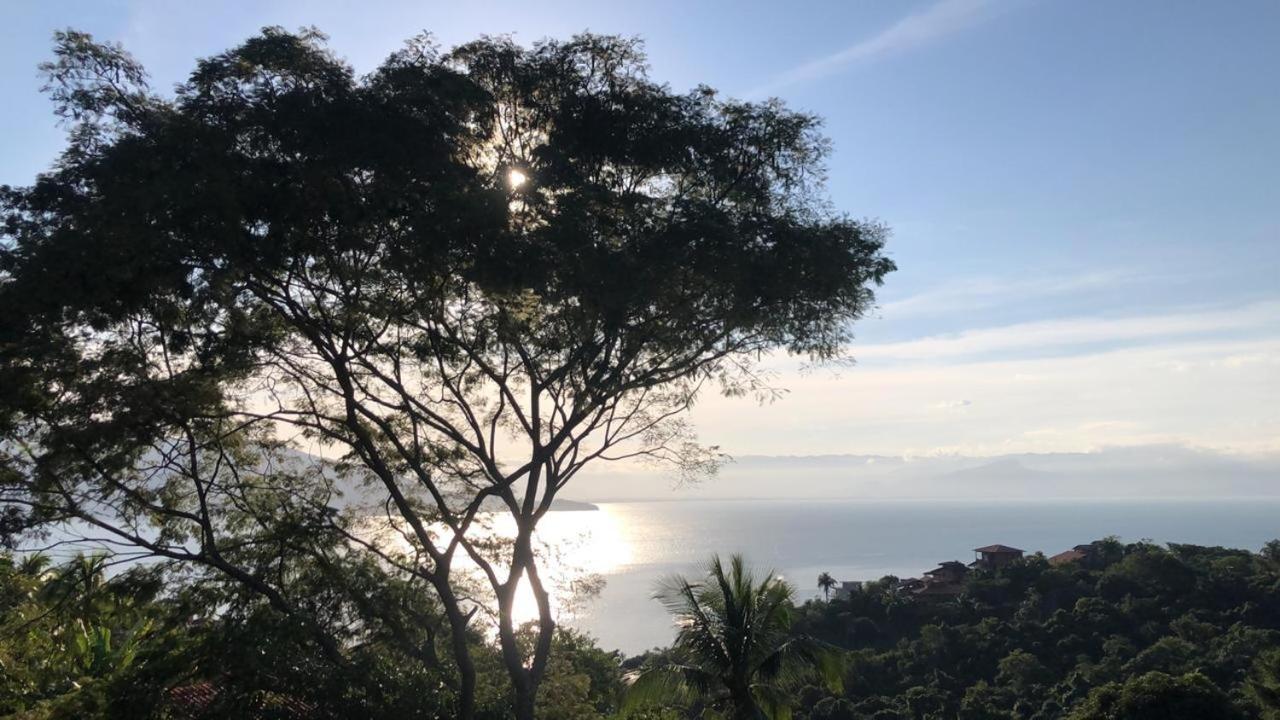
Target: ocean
<point x="630" y="546"/>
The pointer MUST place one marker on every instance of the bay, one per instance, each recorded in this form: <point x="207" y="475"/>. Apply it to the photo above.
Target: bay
<point x="632" y="545"/>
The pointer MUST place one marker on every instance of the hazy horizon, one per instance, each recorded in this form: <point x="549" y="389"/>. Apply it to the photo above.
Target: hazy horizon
<point x="1157" y="471"/>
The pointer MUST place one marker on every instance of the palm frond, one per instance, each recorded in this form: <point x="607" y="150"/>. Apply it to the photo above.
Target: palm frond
<point x="801" y="655"/>
<point x="701" y="626"/>
<point x="774" y="703"/>
<point x="667" y="683"/>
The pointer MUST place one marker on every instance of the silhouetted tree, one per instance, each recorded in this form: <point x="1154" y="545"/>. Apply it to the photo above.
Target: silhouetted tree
<point x="826" y="582"/>
<point x="470" y="274"/>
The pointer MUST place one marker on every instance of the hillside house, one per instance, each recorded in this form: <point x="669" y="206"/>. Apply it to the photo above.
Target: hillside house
<point x="1068" y="556"/>
<point x="1088" y="555"/>
<point x="908" y="585"/>
<point x="951" y="571"/>
<point x="995" y="556"/>
<point x="847" y="588"/>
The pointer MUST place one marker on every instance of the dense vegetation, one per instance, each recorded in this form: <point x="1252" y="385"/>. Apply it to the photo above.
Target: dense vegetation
<point x="76" y="643"/>
<point x="1145" y="632"/>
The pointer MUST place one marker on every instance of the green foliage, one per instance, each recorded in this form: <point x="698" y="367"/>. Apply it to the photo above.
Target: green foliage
<point x="76" y="644"/>
<point x="734" y="653"/>
<point x="1158" y="695"/>
<point x="1264" y="683"/>
<point x="67" y="633"/>
<point x="583" y="681"/>
<point x="1136" y="629"/>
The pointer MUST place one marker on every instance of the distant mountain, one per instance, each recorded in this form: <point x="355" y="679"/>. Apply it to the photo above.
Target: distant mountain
<point x="493" y="504"/>
<point x="353" y="493"/>
<point x="1145" y="471"/>
<point x="563" y="505"/>
<point x="1007" y="474"/>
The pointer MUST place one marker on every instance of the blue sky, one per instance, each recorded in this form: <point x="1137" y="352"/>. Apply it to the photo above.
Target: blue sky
<point x="1085" y="196"/>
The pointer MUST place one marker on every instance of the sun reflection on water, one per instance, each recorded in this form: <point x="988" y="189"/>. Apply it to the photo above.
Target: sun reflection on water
<point x="579" y="548"/>
<point x="576" y="550"/>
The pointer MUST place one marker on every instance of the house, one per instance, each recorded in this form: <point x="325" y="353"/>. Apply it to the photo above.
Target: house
<point x="942" y="583"/>
<point x="1088" y="556"/>
<point x="908" y="585"/>
<point x="995" y="556"/>
<point x="847" y="588"/>
<point x="1067" y="556"/>
<point x="951" y="571"/>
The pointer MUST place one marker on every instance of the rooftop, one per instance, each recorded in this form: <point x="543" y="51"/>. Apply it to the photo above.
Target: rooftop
<point x="1066" y="557"/>
<point x="997" y="549"/>
<point x="950" y="565"/>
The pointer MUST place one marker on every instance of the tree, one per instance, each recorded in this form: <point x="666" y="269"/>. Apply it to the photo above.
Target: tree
<point x="826" y="582"/>
<point x="1263" y="685"/>
<point x="468" y="274"/>
<point x="66" y="632"/>
<point x="1021" y="670"/>
<point x="733" y="649"/>
<point x="1155" y="694"/>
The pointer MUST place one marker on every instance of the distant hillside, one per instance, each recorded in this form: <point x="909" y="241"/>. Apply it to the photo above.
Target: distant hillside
<point x="1167" y="629"/>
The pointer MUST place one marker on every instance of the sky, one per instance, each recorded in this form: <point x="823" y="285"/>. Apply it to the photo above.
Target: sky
<point x="1084" y="195"/>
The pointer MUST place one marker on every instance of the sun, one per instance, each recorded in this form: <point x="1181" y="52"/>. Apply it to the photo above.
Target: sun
<point x="516" y="178"/>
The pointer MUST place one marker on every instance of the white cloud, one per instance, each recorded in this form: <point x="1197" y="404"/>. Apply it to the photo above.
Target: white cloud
<point x="1077" y="333"/>
<point x="938" y="20"/>
<point x="1185" y="392"/>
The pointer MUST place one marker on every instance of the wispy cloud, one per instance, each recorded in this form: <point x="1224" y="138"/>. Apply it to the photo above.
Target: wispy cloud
<point x="1077" y="335"/>
<point x="982" y="292"/>
<point x="937" y="21"/>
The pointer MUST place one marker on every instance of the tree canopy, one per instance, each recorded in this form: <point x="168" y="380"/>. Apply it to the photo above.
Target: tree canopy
<point x="468" y="274"/>
<point x="1130" y="631"/>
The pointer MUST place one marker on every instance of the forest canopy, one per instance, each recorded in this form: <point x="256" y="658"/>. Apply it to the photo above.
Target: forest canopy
<point x="1178" y="633"/>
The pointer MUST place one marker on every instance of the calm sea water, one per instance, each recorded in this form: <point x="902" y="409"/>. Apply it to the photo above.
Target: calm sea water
<point x="632" y="545"/>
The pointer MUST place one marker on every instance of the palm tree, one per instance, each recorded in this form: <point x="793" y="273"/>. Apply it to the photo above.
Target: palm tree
<point x="733" y="651"/>
<point x="826" y="582"/>
<point x="34" y="565"/>
<point x="82" y="580"/>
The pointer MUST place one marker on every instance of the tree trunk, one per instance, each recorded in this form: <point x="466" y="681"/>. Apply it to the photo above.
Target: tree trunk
<point x="461" y="651"/>
<point x="524" y="679"/>
<point x="526" y="699"/>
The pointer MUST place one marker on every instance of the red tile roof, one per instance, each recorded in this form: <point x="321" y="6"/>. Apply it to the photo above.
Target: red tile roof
<point x="1066" y="557"/>
<point x="197" y="697"/>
